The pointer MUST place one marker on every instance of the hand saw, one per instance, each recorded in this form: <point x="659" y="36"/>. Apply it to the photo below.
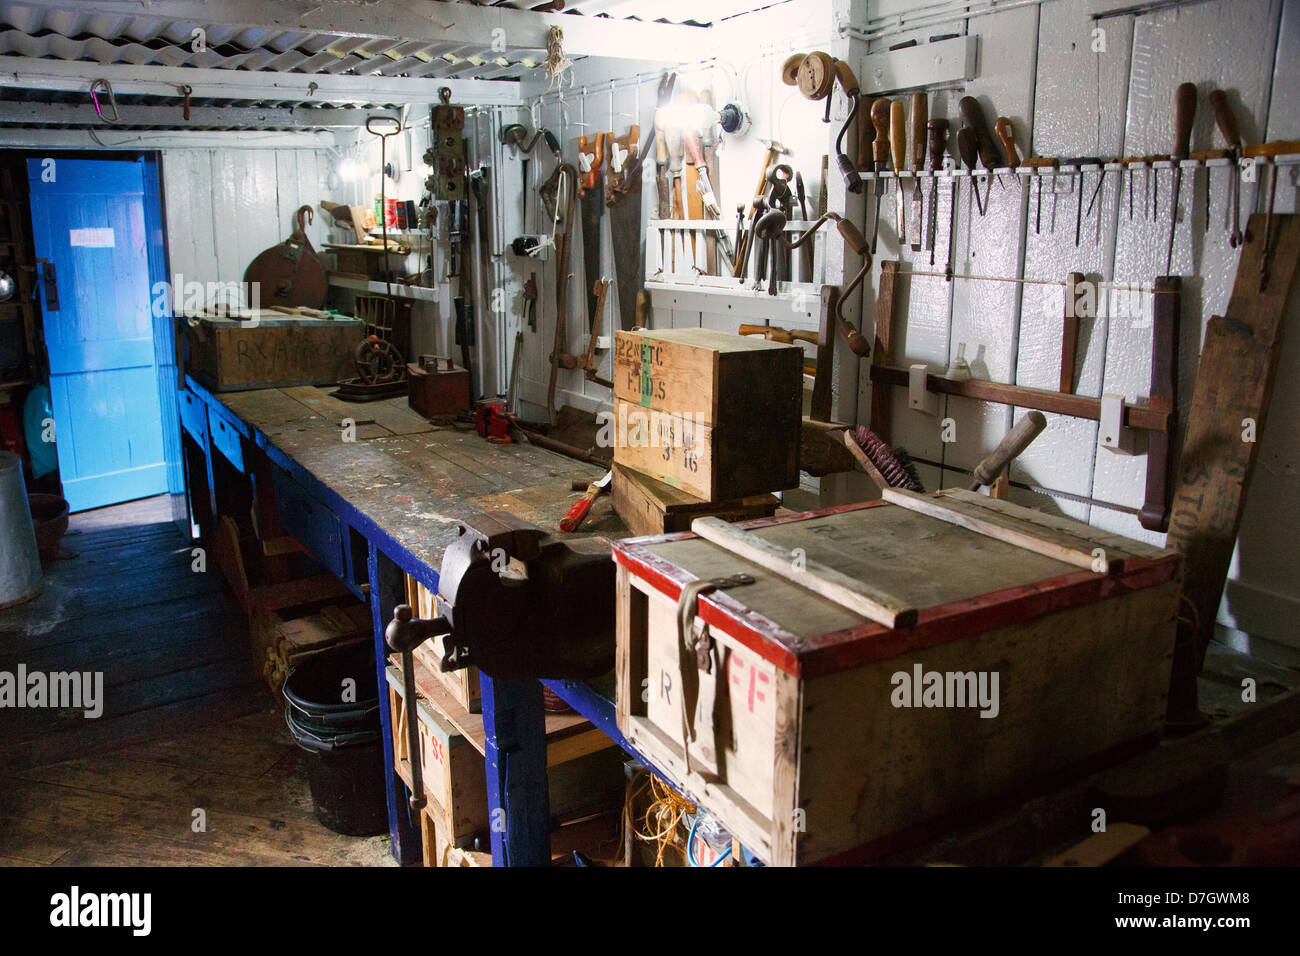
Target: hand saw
<point x="591" y="157"/>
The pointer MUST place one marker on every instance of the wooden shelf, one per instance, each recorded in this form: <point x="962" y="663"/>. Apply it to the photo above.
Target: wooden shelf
<point x="376" y="287"/>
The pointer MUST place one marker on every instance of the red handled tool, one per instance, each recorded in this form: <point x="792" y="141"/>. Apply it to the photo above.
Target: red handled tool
<point x="573" y="519"/>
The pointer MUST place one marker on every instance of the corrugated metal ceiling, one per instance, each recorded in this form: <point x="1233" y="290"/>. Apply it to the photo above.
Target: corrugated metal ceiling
<point x="143" y="40"/>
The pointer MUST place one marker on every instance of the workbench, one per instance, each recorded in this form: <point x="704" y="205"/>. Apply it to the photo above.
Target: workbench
<point x="388" y="502"/>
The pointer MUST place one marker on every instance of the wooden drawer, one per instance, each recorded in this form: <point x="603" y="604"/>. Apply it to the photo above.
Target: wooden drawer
<point x="312" y="524"/>
<point x="227" y="440"/>
<point x="833" y="741"/>
<point x="194" y="415"/>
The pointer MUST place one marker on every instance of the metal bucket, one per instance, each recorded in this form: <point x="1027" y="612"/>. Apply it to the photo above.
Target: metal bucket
<point x="20" y="563"/>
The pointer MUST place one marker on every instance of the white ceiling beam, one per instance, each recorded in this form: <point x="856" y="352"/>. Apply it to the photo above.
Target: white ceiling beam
<point x="18" y="113"/>
<point x="455" y="24"/>
<point x="34" y="73"/>
<point x="160" y="139"/>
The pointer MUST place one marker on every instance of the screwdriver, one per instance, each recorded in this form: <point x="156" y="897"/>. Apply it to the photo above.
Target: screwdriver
<point x="898" y="146"/>
<point x="937" y="134"/>
<point x="880" y="153"/>
<point x="1184" y="115"/>
<point x="920" y="113"/>
<point x="1227" y="123"/>
<point x="968" y="150"/>
<point x="1038" y="164"/>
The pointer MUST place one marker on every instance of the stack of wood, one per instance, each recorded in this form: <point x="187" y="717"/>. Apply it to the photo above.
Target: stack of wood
<point x="706" y="423"/>
<point x="288" y="642"/>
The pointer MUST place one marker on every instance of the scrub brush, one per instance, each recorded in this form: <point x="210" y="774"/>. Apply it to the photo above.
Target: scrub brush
<point x="887" y="467"/>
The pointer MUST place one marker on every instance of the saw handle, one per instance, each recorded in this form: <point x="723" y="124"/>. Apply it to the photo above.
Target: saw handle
<point x="1012" y="444"/>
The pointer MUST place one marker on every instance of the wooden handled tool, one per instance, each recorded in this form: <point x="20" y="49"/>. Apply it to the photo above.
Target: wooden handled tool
<point x="776" y="334"/>
<point x="1012" y="444"/>
<point x="1270" y="151"/>
<point x="920" y="115"/>
<point x="973" y="114"/>
<point x="1184" y="116"/>
<point x="880" y="110"/>
<point x="937" y="136"/>
<point x="573" y="518"/>
<point x="968" y="150"/>
<point x="1007" y="136"/>
<point x="898" y="146"/>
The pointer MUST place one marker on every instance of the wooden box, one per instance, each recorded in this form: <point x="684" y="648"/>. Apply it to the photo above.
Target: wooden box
<point x="712" y="413"/>
<point x="271" y="351"/>
<point x="584" y="768"/>
<point x="452" y="770"/>
<point x="461" y="684"/>
<point x="827" y="741"/>
<point x="648" y="506"/>
<point x="439" y="387"/>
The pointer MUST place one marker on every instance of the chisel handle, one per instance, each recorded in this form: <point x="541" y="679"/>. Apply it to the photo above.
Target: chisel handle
<point x="1040" y="162"/>
<point x="1184" y="117"/>
<point x="973" y="114"/>
<point x="920" y="114"/>
<point x="880" y="145"/>
<point x="1012" y="444"/>
<point x="968" y="147"/>
<point x="1007" y="136"/>
<point x="898" y="134"/>
<point x="1225" y="120"/>
<point x="573" y="518"/>
<point x="937" y="134"/>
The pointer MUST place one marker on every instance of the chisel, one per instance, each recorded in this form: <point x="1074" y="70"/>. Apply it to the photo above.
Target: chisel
<point x="880" y="153"/>
<point x="898" y="147"/>
<point x="1184" y="115"/>
<point x="990" y="154"/>
<point x="920" y="111"/>
<point x="1227" y="123"/>
<point x="937" y="134"/>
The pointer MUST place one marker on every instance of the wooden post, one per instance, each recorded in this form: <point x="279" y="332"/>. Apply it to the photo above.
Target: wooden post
<point x="519" y="806"/>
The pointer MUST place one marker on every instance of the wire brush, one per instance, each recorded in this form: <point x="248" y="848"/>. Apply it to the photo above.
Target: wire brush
<point x="894" y="464"/>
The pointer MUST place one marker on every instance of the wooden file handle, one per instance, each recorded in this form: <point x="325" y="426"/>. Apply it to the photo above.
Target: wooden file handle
<point x="880" y="145"/>
<point x="1184" y="116"/>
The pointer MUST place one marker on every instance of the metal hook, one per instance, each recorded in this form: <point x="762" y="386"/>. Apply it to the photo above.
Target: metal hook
<point x="103" y="85"/>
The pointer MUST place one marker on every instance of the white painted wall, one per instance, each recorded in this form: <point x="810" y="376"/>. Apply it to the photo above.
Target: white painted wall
<point x="1037" y="66"/>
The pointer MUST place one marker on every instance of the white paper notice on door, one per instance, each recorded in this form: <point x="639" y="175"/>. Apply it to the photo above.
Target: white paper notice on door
<point x="97" y="238"/>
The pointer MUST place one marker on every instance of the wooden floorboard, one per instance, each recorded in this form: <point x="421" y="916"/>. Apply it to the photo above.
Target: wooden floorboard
<point x="185" y="725"/>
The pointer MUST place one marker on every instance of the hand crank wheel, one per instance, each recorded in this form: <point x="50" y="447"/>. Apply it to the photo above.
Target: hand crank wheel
<point x="378" y="361"/>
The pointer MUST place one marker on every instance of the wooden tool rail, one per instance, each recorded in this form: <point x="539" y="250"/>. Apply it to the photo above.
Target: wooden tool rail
<point x="1137" y="416"/>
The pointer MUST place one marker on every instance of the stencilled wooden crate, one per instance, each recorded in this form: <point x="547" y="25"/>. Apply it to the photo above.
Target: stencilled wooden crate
<point x="714" y="414"/>
<point x="835" y="737"/>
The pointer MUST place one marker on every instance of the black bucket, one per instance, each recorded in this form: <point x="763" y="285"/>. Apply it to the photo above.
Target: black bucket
<point x="345" y="763"/>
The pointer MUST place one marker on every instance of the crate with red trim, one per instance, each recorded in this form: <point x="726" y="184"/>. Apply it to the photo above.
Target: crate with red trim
<point x="837" y="684"/>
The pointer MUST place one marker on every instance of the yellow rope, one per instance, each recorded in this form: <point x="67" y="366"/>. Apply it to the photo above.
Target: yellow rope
<point x="662" y="818"/>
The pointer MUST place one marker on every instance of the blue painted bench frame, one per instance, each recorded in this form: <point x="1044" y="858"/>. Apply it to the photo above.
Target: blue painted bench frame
<point x="513" y="718"/>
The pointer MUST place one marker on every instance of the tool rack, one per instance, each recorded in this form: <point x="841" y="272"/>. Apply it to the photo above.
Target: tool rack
<point x="357" y="533"/>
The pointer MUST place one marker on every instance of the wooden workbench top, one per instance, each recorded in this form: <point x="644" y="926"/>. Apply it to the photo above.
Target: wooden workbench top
<point x="414" y="480"/>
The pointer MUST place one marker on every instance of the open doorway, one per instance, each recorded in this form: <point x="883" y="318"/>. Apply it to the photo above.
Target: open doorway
<point x="100" y="264"/>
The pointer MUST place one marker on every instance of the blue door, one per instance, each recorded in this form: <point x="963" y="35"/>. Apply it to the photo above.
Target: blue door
<point x="88" y="222"/>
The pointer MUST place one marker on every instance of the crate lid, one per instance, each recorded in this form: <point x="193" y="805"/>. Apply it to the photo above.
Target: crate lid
<point x="960" y="562"/>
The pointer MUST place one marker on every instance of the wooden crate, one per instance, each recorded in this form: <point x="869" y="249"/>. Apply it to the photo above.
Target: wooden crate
<point x="584" y="767"/>
<point x="462" y="684"/>
<point x="715" y="414"/>
<point x="454" y="781"/>
<point x="275" y="351"/>
<point x="816" y="759"/>
<point x="648" y="506"/>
